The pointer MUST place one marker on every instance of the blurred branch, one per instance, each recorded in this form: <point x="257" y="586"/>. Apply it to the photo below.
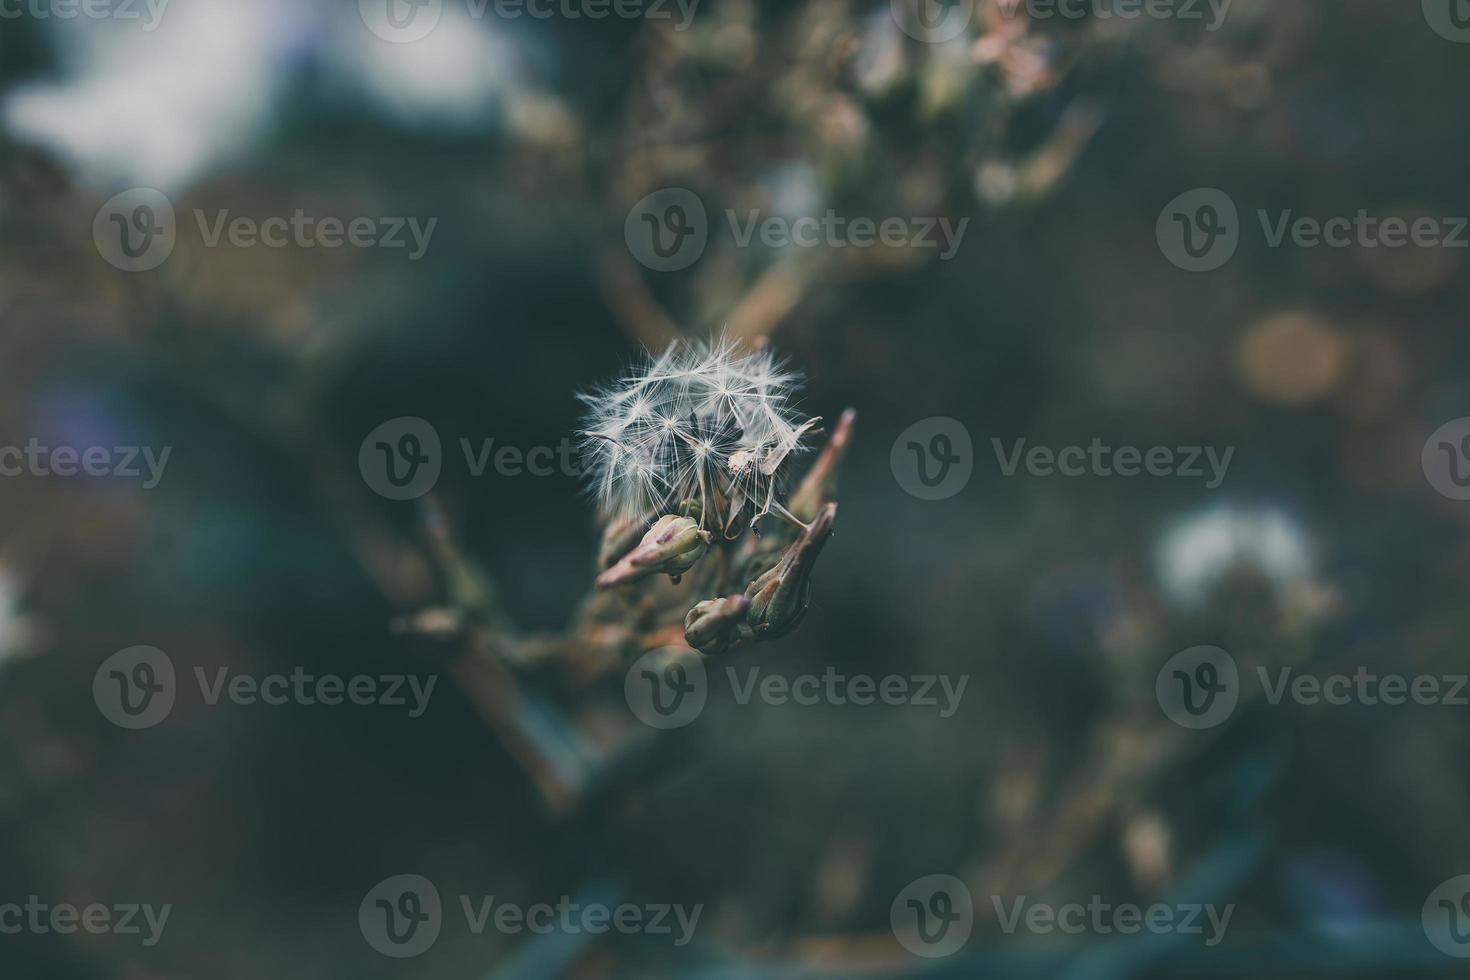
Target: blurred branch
<point x="628" y="297"/>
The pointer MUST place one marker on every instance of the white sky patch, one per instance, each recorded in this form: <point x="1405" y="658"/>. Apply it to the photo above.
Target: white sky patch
<point x="156" y="108"/>
<point x="454" y="75"/>
<point x="166" y="107"/>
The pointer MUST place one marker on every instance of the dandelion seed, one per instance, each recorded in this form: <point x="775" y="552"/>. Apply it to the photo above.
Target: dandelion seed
<point x="701" y="422"/>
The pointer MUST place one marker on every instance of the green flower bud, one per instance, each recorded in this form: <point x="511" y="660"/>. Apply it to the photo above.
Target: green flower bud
<point x="714" y="626"/>
<point x="671" y="546"/>
<point x="779" y="598"/>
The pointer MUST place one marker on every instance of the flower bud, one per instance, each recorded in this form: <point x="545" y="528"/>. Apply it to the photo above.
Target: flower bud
<point x="714" y="626"/>
<point x="820" y="482"/>
<point x="779" y="598"/>
<point x="671" y="546"/>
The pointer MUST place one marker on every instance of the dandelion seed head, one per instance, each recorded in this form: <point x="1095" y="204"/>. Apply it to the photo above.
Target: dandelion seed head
<point x="702" y="421"/>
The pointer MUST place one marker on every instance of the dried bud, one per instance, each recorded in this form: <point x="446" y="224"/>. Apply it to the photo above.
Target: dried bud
<point x="713" y="626"/>
<point x="779" y="598"/>
<point x="671" y="546"/>
<point x="820" y="482"/>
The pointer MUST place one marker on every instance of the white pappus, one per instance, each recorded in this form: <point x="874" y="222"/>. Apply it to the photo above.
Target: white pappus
<point x="701" y="421"/>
